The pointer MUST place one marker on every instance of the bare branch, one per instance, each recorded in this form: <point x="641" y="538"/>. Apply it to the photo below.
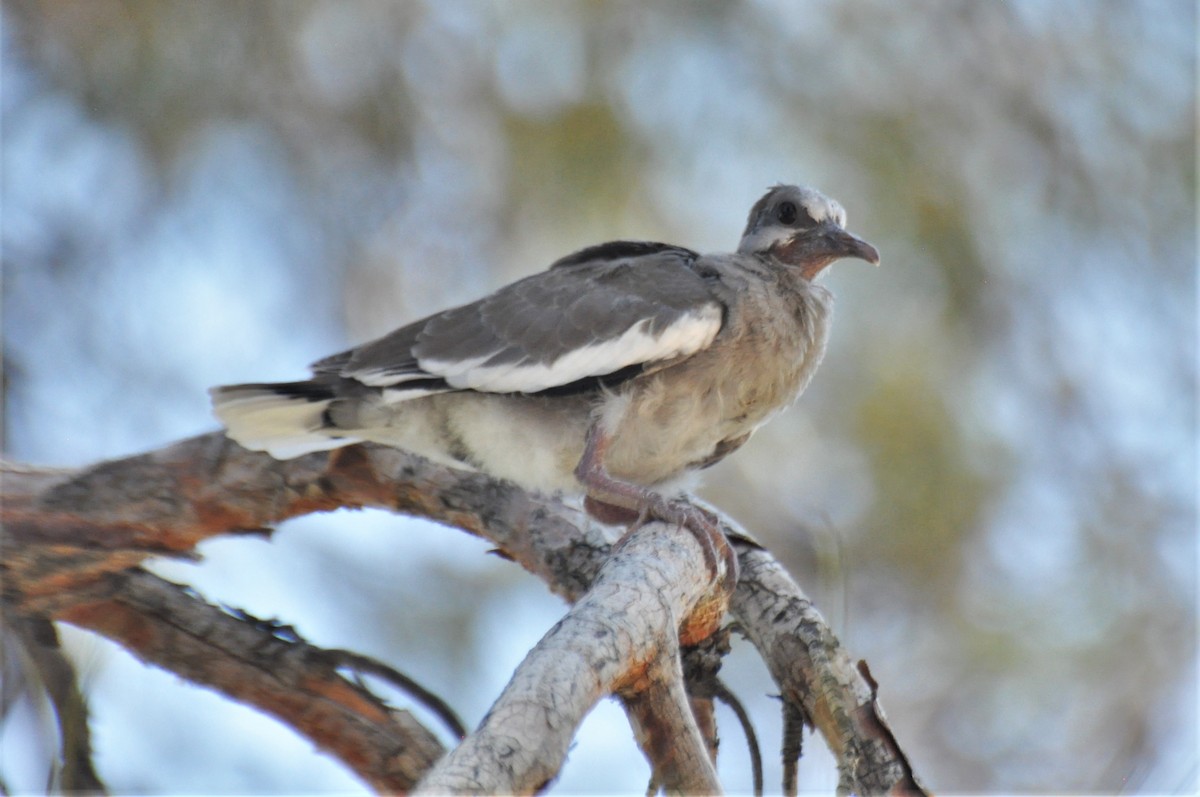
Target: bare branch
<point x="700" y="664"/>
<point x="366" y="665"/>
<point x="608" y="643"/>
<point x="813" y="671"/>
<point x="730" y="699"/>
<point x="163" y="624"/>
<point x="39" y="640"/>
<point x="793" y="744"/>
<point x="668" y="731"/>
<point x="68" y="537"/>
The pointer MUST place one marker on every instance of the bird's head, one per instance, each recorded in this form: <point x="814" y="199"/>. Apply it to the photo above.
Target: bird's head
<point x="801" y="227"/>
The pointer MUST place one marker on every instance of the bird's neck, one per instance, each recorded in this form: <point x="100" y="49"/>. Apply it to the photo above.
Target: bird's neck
<point x="796" y="275"/>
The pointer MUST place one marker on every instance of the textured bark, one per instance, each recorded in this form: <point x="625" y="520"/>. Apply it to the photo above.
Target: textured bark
<point x="619" y="638"/>
<point x="72" y="541"/>
<point x="670" y="731"/>
<point x="266" y="666"/>
<point x="814" y="673"/>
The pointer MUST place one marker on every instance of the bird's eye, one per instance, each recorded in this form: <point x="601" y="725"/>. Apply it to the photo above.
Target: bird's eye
<point x="788" y="213"/>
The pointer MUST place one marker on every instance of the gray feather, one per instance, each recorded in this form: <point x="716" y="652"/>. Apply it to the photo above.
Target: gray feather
<point x="540" y="319"/>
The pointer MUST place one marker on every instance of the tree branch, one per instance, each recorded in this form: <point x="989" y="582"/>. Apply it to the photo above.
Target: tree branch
<point x="794" y="722"/>
<point x="669" y="732"/>
<point x="164" y="624"/>
<point x="71" y="542"/>
<point x="730" y="699"/>
<point x="613" y="640"/>
<point x="813" y="672"/>
<point x="39" y="639"/>
<point x="365" y="665"/>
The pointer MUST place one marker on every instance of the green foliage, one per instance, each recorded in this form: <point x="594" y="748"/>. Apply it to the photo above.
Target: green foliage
<point x="928" y="497"/>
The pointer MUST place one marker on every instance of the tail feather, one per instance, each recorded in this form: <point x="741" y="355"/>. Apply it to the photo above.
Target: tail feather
<point x="286" y="419"/>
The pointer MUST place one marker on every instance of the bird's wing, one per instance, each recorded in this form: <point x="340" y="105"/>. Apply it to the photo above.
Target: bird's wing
<point x="601" y="310"/>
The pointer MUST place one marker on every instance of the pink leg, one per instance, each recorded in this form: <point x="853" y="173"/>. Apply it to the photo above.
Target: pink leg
<point x="611" y="499"/>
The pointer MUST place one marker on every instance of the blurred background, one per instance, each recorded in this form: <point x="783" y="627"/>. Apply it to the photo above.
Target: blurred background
<point x="989" y="489"/>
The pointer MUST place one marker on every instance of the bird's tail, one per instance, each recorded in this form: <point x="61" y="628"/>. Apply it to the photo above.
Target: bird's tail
<point x="285" y="419"/>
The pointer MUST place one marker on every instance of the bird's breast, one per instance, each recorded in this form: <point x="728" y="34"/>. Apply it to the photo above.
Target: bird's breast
<point x="695" y="412"/>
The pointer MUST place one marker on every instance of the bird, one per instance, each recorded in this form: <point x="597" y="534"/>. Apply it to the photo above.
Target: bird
<point x="618" y="373"/>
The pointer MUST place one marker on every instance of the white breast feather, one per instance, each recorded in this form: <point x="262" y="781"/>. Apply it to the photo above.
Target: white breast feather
<point x="688" y="335"/>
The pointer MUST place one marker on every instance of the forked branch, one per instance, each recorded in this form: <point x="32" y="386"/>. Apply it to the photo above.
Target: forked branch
<point x="72" y="542"/>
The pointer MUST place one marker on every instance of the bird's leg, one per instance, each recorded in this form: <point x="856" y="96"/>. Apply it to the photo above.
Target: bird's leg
<point x="612" y="500"/>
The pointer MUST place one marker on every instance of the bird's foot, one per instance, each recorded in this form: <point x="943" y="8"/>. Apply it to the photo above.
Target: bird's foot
<point x="706" y="616"/>
<point x="612" y="500"/>
<point x="702" y="525"/>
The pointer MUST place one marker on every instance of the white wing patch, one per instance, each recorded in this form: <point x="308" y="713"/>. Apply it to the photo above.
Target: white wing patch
<point x="384" y="378"/>
<point x="687" y="335"/>
<point x="398" y="394"/>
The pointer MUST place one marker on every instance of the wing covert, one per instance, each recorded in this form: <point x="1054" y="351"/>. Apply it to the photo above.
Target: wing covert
<point x="590" y="315"/>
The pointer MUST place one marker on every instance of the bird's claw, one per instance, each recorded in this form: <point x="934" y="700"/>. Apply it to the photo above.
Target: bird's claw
<point x="703" y="525"/>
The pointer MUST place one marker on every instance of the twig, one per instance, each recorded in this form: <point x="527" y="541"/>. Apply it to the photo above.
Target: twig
<point x="369" y="666"/>
<point x="794" y="721"/>
<point x="40" y="641"/>
<point x="730" y="699"/>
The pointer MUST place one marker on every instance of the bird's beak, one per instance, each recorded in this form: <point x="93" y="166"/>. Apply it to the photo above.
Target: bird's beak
<point x="813" y="249"/>
<point x="839" y="243"/>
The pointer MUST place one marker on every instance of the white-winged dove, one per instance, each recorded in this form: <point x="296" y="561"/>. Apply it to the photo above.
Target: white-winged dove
<point x="617" y="373"/>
